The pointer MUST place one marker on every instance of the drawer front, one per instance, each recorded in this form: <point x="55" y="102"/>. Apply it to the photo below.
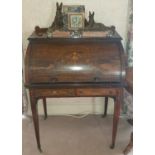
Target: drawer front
<point x="55" y="92"/>
<point x="96" y="92"/>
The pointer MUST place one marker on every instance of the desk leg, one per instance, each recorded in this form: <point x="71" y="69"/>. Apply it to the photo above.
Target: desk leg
<point x="129" y="146"/>
<point x="35" y="119"/>
<point x="117" y="106"/>
<point x="105" y="107"/>
<point x="45" y="108"/>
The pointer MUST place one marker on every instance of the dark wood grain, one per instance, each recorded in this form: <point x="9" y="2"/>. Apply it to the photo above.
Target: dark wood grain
<point x="83" y="61"/>
<point x="129" y="79"/>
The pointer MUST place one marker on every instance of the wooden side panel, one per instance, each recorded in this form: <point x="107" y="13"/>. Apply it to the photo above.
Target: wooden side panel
<point x="27" y="64"/>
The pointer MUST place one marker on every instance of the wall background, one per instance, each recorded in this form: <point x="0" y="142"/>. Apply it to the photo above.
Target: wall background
<point x="42" y="13"/>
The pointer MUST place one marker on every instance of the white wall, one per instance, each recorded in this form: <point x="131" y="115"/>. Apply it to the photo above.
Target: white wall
<point x="42" y="12"/>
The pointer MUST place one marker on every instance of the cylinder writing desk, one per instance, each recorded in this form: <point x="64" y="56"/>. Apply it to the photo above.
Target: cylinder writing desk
<point x="69" y="67"/>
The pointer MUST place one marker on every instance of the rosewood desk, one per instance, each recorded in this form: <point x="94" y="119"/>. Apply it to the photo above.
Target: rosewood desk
<point x="81" y="67"/>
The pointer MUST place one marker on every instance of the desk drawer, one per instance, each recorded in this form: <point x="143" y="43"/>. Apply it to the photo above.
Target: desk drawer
<point x="55" y="92"/>
<point x="96" y="92"/>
